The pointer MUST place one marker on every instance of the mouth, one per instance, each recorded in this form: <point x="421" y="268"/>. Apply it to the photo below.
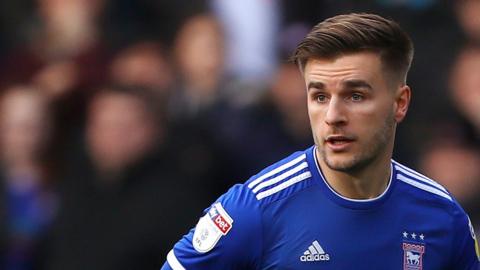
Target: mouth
<point x="339" y="142"/>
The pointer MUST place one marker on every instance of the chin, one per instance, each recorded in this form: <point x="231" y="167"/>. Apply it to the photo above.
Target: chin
<point x="338" y="164"/>
<point x="345" y="163"/>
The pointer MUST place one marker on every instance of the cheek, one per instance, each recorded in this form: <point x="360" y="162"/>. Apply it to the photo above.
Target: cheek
<point x="367" y="121"/>
<point x="365" y="116"/>
<point x="378" y="125"/>
<point x="367" y="124"/>
<point x="374" y="111"/>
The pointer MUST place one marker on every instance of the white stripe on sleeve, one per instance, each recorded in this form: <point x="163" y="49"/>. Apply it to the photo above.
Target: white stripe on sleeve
<point x="173" y="262"/>
<point x="423" y="186"/>
<point x="279" y="178"/>
<point x="283" y="185"/>
<point x="276" y="170"/>
<point x="420" y="177"/>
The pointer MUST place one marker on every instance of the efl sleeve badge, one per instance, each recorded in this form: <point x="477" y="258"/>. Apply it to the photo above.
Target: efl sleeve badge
<point x="210" y="228"/>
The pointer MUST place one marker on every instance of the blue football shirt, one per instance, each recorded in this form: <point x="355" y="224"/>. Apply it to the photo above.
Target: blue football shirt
<point x="288" y="217"/>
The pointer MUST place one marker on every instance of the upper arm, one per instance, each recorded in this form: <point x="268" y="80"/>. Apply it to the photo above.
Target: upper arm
<point x="228" y="236"/>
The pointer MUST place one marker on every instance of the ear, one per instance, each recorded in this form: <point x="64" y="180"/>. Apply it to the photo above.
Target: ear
<point x="402" y="101"/>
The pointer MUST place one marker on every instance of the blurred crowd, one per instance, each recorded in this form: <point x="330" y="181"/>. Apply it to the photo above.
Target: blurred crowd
<point x="121" y="120"/>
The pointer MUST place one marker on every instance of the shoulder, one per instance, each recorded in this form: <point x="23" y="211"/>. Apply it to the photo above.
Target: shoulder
<point x="420" y="184"/>
<point x="280" y="180"/>
<point x="442" y="209"/>
<point x="277" y="181"/>
<point x="426" y="192"/>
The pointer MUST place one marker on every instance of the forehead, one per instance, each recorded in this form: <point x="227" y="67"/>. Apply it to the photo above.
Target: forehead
<point x="20" y="104"/>
<point x="362" y="66"/>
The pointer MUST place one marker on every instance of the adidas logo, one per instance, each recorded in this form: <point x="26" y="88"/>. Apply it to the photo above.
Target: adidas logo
<point x="314" y="253"/>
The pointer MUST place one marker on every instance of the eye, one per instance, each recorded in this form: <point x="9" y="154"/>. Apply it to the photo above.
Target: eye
<point x="321" y="98"/>
<point x="356" y="97"/>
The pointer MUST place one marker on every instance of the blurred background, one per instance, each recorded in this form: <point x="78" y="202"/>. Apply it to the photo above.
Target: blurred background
<point x="121" y="120"/>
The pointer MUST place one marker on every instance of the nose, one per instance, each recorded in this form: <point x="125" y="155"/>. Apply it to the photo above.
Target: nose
<point x="335" y="114"/>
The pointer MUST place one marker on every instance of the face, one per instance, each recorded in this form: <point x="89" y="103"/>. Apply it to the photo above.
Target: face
<point x="143" y="64"/>
<point x="23" y="125"/>
<point x="353" y="110"/>
<point x="286" y="89"/>
<point x="466" y="85"/>
<point x="120" y="131"/>
<point x="200" y="34"/>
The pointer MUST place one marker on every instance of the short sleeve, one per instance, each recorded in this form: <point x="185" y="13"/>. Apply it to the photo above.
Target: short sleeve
<point x="227" y="236"/>
<point x="465" y="245"/>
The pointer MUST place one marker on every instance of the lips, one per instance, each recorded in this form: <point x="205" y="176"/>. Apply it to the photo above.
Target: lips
<point x="339" y="142"/>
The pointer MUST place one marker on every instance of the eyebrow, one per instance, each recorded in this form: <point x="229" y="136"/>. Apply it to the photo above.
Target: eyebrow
<point x="357" y="84"/>
<point x="346" y="84"/>
<point x="316" y="85"/>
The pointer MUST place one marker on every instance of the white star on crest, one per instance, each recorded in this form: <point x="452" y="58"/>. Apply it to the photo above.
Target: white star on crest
<point x="414" y="236"/>
<point x="422" y="236"/>
<point x="405" y="234"/>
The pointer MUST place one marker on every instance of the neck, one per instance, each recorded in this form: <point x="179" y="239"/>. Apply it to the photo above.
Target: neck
<point x="21" y="167"/>
<point x="365" y="183"/>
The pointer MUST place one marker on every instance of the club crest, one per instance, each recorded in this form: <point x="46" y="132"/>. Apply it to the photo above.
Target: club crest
<point x="413" y="256"/>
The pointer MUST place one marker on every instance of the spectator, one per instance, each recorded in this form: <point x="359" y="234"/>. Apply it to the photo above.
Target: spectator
<point x="455" y="165"/>
<point x="118" y="206"/>
<point x="465" y="85"/>
<point x="199" y="96"/>
<point x="143" y="63"/>
<point x="27" y="196"/>
<point x="65" y="58"/>
<point x="200" y="74"/>
<point x="468" y="16"/>
<point x="65" y="51"/>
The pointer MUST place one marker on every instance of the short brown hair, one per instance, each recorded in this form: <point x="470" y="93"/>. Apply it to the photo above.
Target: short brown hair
<point x="358" y="32"/>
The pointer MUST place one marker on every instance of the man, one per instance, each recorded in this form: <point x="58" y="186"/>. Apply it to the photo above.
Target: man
<point x="119" y="188"/>
<point x="343" y="203"/>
